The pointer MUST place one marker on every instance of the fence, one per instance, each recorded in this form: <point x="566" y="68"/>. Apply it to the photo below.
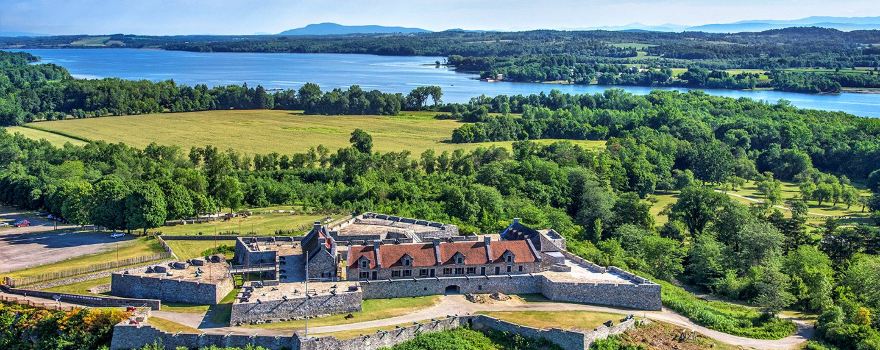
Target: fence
<point x="26" y="281"/>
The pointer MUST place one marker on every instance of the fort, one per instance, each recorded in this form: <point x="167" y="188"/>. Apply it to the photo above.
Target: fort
<point x="332" y="270"/>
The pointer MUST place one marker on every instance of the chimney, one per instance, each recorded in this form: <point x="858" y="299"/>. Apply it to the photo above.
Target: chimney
<point x="435" y="241"/>
<point x="488" y="240"/>
<point x="515" y="221"/>
<point x="376" y="245"/>
<point x="317" y="226"/>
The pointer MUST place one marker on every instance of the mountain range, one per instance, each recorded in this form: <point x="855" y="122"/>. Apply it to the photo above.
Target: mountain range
<point x="339" y="29"/>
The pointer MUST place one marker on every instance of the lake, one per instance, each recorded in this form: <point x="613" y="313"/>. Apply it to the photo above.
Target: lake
<point x="386" y="73"/>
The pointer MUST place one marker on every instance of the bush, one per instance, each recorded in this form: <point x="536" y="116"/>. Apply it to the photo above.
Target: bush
<point x="26" y="327"/>
<point x="724" y="317"/>
<point x="467" y="339"/>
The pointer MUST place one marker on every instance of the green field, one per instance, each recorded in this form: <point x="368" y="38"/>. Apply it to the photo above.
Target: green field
<point x="80" y="287"/>
<point x="185" y="249"/>
<point x="264" y="131"/>
<point x="53" y="138"/>
<point x="568" y="320"/>
<point x="260" y="223"/>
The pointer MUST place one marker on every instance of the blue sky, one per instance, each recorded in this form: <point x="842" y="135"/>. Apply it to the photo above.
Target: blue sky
<point x="164" y="17"/>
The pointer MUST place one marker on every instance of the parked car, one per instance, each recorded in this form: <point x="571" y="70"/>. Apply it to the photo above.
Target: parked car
<point x="117" y="235"/>
<point x="4" y="224"/>
<point x="22" y="223"/>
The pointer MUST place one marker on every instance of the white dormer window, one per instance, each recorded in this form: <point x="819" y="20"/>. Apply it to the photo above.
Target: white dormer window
<point x="458" y="258"/>
<point x="365" y="263"/>
<point x="508" y="257"/>
<point x="406" y="260"/>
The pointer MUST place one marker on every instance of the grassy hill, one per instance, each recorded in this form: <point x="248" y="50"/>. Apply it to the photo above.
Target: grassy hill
<point x="263" y="131"/>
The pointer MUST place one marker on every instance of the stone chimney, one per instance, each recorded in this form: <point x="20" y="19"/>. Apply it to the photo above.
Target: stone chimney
<point x="316" y="226"/>
<point x="515" y="221"/>
<point x="488" y="242"/>
<point x="376" y="244"/>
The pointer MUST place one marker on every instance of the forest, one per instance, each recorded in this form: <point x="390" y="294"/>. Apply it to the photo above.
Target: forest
<point x="584" y="57"/>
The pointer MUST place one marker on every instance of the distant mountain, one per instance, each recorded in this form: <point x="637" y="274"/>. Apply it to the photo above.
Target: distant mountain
<point x="839" y="23"/>
<point x="339" y="29"/>
<point x="634" y="27"/>
<point x="17" y="34"/>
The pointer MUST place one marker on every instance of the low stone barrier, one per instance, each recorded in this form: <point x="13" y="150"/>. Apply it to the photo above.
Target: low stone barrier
<point x="90" y="276"/>
<point x="200" y="238"/>
<point x="129" y="336"/>
<point x="257" y="310"/>
<point x="87" y="300"/>
<point x="589" y="265"/>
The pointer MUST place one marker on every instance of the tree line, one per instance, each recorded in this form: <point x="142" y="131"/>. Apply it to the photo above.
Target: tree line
<point x="30" y="92"/>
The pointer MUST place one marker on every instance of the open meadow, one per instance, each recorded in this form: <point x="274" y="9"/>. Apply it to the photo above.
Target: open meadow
<point x="262" y="131"/>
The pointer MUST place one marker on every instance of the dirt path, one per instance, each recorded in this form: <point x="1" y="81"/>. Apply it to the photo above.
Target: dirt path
<point x="755" y="200"/>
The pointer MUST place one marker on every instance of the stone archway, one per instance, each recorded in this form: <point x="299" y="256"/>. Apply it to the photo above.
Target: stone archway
<point x="452" y="289"/>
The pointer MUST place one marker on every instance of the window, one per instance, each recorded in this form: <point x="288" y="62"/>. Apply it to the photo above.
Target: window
<point x="471" y="270"/>
<point x="508" y="268"/>
<point x="447" y="271"/>
<point x="395" y="273"/>
<point x="408" y="273"/>
<point x="520" y="268"/>
<point x="365" y="275"/>
<point x="483" y="270"/>
<point x="509" y="258"/>
<point x="459" y="260"/>
<point x="459" y="271"/>
<point x="407" y="261"/>
<point x="497" y="270"/>
<point x="365" y="263"/>
<point x="423" y="273"/>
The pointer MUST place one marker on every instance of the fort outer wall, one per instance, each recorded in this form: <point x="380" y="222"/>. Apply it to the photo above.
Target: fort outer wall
<point x="295" y="308"/>
<point x="127" y="336"/>
<point x="169" y="290"/>
<point x="644" y="296"/>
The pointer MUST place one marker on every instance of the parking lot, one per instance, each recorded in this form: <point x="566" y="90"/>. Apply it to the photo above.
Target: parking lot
<point x="22" y="247"/>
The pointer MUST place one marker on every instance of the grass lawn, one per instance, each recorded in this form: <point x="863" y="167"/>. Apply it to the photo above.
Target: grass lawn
<point x="569" y="320"/>
<point x="264" y="224"/>
<point x="81" y="287"/>
<point x="372" y="309"/>
<point x="637" y="46"/>
<point x="661" y="200"/>
<point x="217" y="314"/>
<point x="186" y="308"/>
<point x="142" y="246"/>
<point x="53" y="138"/>
<point x="171" y="326"/>
<point x="186" y="250"/>
<point x="264" y="131"/>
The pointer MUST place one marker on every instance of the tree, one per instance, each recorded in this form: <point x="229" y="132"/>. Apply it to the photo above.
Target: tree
<point x="179" y="202"/>
<point x="145" y="207"/>
<point x="596" y="202"/>
<point x="705" y="261"/>
<point x="663" y="256"/>
<point x="228" y="192"/>
<point x="108" y="206"/>
<point x="361" y="140"/>
<point x="696" y="207"/>
<point x="630" y="209"/>
<point x="78" y="203"/>
<point x="771" y="189"/>
<point x="812" y="277"/>
<point x="771" y="289"/>
<point x="712" y="162"/>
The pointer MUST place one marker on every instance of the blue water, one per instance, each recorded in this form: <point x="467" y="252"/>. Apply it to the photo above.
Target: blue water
<point x="386" y="73"/>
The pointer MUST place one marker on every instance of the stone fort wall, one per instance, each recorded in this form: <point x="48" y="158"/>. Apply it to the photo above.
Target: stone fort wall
<point x="169" y="290"/>
<point x="634" y="296"/>
<point x="295" y="308"/>
<point x="126" y="336"/>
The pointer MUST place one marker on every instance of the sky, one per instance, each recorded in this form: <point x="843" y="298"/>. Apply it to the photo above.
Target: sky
<point x="172" y="17"/>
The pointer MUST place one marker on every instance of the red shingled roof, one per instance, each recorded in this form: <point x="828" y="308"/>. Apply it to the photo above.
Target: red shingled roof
<point x="423" y="253"/>
<point x="520" y="249"/>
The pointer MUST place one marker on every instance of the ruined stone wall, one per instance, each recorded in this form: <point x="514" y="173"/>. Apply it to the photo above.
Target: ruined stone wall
<point x="295" y="308"/>
<point x="567" y="340"/>
<point x="322" y="266"/>
<point x="244" y="256"/>
<point x="381" y="339"/>
<point x="169" y="290"/>
<point x="126" y="337"/>
<point x="634" y="296"/>
<point x="514" y="284"/>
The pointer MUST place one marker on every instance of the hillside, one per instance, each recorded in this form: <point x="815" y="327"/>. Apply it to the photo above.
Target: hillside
<point x="339" y="29"/>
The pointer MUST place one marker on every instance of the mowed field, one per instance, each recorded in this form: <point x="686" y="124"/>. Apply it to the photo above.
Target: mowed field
<point x="264" y="131"/>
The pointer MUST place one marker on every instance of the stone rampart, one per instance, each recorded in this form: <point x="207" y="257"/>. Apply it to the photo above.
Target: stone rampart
<point x="87" y="300"/>
<point x="633" y="296"/>
<point x="127" y="336"/>
<point x="508" y="284"/>
<point x="169" y="289"/>
<point x="258" y="310"/>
